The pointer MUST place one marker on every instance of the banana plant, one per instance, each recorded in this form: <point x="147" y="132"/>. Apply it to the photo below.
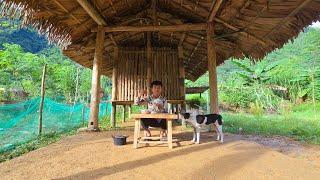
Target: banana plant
<point x="253" y="73"/>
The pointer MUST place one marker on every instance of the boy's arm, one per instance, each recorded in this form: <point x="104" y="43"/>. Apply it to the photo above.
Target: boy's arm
<point x="140" y="101"/>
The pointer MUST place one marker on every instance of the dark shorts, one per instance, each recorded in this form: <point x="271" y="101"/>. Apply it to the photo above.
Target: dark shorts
<point x="146" y="123"/>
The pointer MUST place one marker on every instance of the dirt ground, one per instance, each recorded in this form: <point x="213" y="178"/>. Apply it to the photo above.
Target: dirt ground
<point x="93" y="156"/>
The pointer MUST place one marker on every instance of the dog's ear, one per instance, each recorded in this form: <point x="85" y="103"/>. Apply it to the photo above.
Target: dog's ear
<point x="185" y="115"/>
<point x="200" y="119"/>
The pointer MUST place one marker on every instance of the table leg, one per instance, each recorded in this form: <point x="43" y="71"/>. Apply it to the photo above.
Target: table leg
<point x="136" y="134"/>
<point x="169" y="123"/>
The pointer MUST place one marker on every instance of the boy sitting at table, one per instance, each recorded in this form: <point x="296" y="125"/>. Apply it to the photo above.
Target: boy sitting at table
<point x="156" y="104"/>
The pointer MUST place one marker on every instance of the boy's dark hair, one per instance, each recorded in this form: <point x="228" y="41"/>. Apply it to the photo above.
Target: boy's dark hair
<point x="156" y="83"/>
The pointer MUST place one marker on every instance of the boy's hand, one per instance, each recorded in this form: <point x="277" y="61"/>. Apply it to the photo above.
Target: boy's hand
<point x="160" y="106"/>
<point x="143" y="93"/>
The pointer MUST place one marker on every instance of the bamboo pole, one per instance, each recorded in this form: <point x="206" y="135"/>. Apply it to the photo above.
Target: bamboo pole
<point x="149" y="61"/>
<point x="156" y="28"/>
<point x="212" y="67"/>
<point x="181" y="73"/>
<point x="114" y="86"/>
<point x="43" y="91"/>
<point x="95" y="87"/>
<point x="77" y="86"/>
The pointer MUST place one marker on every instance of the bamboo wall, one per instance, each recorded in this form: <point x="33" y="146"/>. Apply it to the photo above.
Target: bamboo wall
<point x="132" y="72"/>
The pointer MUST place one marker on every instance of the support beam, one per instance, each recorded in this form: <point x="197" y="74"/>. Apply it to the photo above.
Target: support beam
<point x="152" y="28"/>
<point x="93" y="13"/>
<point x="149" y="61"/>
<point x="65" y="10"/>
<point x="154" y="12"/>
<point x="214" y="10"/>
<point x="238" y="30"/>
<point x="212" y="67"/>
<point x="114" y="86"/>
<point x="182" y="38"/>
<point x="286" y="19"/>
<point x="95" y="87"/>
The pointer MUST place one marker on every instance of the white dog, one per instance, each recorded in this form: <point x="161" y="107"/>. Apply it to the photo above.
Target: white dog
<point x="197" y="120"/>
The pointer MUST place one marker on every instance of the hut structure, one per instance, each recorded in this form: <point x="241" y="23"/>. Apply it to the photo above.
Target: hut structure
<point x="137" y="41"/>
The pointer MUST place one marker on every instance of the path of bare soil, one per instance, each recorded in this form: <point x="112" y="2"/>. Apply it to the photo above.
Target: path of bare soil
<point x="93" y="156"/>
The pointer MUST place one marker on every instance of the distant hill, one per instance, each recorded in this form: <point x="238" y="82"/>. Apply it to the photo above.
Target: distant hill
<point x="27" y="38"/>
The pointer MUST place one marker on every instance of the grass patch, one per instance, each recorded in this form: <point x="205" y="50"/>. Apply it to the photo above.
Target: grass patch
<point x="306" y="130"/>
<point x="40" y="141"/>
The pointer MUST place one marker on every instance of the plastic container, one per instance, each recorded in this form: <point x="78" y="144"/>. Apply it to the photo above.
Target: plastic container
<point x="119" y="140"/>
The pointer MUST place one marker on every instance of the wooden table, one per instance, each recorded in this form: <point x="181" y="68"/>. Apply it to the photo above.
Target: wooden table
<point x="137" y="117"/>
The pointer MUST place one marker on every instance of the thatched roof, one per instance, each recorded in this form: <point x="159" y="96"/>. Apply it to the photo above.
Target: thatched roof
<point x="243" y="27"/>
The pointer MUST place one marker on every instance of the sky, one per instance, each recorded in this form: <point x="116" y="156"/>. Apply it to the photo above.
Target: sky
<point x="316" y="24"/>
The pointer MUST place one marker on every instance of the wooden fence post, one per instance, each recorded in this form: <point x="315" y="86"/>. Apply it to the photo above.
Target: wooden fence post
<point x="43" y="91"/>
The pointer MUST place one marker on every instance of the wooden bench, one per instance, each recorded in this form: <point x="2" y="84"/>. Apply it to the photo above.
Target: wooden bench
<point x="137" y="139"/>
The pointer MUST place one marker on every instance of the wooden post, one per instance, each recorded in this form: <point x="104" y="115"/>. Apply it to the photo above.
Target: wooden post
<point x="95" y="87"/>
<point x="129" y="112"/>
<point x="114" y="86"/>
<point x="43" y="91"/>
<point x="83" y="113"/>
<point x="124" y="113"/>
<point x="212" y="67"/>
<point x="149" y="61"/>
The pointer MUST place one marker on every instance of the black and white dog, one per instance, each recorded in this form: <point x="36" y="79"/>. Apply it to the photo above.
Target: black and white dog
<point x="197" y="121"/>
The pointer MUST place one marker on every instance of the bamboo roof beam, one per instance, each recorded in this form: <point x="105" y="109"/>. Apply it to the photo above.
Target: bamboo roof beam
<point x="95" y="15"/>
<point x="215" y="8"/>
<point x="153" y="28"/>
<point x="65" y="10"/>
<point x="241" y="32"/>
<point x="286" y="19"/>
<point x="182" y="38"/>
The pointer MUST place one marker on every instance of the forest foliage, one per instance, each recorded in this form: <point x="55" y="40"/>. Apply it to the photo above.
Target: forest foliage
<point x="287" y="76"/>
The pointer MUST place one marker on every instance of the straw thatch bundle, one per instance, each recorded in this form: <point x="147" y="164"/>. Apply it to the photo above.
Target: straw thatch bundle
<point x="250" y="28"/>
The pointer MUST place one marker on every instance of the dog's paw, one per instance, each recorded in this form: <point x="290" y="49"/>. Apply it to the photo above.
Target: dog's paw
<point x="192" y="141"/>
<point x="197" y="142"/>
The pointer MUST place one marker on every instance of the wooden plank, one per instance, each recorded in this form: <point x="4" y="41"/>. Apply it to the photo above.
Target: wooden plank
<point x="181" y="73"/>
<point x="135" y="66"/>
<point x="149" y="61"/>
<point x="114" y="85"/>
<point x="126" y="82"/>
<point x="114" y="73"/>
<point x="154" y="116"/>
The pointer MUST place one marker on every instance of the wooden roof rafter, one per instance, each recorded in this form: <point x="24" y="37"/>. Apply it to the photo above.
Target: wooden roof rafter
<point x="282" y="22"/>
<point x="95" y="15"/>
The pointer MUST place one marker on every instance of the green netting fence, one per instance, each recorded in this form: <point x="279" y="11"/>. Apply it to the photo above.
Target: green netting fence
<point x="19" y="122"/>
